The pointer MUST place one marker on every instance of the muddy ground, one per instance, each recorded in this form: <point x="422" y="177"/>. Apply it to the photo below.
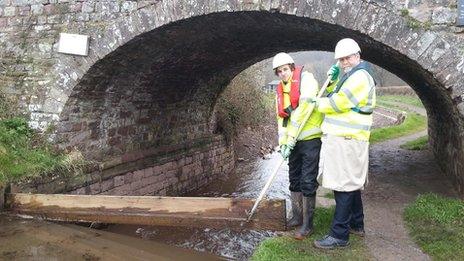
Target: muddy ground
<point x="25" y="239"/>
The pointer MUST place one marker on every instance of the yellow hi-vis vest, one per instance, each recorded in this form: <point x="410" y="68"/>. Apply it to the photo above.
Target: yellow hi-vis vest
<point x="345" y="110"/>
<point x="311" y="129"/>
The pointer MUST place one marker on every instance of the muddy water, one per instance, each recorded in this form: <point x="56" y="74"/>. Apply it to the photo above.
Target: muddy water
<point x="245" y="182"/>
<point x="27" y="239"/>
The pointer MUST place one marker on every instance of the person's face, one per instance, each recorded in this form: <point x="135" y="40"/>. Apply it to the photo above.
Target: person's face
<point x="284" y="72"/>
<point x="349" y="61"/>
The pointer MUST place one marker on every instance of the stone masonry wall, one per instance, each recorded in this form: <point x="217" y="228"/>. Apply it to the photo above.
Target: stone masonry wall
<point x="29" y="32"/>
<point x="170" y="170"/>
<point x="180" y="46"/>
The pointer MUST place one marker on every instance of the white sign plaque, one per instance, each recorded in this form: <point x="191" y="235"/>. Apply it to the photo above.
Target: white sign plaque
<point x="73" y="44"/>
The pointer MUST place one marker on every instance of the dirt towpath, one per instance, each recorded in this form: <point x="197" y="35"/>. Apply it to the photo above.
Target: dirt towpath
<point x="396" y="177"/>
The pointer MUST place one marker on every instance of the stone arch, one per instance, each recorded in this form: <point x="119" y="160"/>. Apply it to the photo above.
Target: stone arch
<point x="195" y="48"/>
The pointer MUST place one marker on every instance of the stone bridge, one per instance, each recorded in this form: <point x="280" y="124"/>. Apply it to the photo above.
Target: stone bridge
<point x="148" y="87"/>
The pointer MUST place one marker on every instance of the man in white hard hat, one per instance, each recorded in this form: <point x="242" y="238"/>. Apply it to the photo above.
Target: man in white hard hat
<point x="293" y="94"/>
<point x="345" y="143"/>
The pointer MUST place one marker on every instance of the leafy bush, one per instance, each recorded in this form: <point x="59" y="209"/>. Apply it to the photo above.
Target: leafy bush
<point x="243" y="104"/>
<point x="24" y="154"/>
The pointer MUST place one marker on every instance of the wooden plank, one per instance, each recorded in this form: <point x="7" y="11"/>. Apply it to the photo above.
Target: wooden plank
<point x="150" y="210"/>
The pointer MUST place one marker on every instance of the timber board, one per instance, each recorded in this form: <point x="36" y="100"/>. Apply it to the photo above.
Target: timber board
<point x="151" y="210"/>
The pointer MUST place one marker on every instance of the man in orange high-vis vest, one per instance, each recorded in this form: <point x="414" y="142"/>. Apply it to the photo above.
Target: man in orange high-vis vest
<point x="302" y="148"/>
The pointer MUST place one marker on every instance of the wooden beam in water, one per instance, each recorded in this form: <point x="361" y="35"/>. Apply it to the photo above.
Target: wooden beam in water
<point x="151" y="210"/>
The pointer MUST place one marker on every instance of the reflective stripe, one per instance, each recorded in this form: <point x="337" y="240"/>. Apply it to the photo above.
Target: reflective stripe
<point x="368" y="108"/>
<point x="371" y="91"/>
<point x="309" y="132"/>
<point x="282" y="133"/>
<point x="348" y="125"/>
<point x="295" y="124"/>
<point x="334" y="106"/>
<point x="350" y="96"/>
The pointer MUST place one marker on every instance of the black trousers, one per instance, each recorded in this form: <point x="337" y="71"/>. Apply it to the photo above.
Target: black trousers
<point x="303" y="165"/>
<point x="348" y="214"/>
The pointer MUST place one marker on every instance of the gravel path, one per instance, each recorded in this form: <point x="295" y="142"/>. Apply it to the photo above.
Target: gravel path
<point x="396" y="177"/>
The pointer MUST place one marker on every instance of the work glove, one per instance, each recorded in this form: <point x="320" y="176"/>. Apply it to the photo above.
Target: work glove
<point x="285" y="152"/>
<point x="291" y="141"/>
<point x="283" y="148"/>
<point x="286" y="149"/>
<point x="333" y="72"/>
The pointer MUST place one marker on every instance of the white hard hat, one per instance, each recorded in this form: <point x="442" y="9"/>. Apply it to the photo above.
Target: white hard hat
<point x="281" y="59"/>
<point x="346" y="47"/>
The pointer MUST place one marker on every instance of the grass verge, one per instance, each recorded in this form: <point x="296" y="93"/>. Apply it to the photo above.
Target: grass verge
<point x="412" y="124"/>
<point x="437" y="225"/>
<point x="417" y="144"/>
<point x="287" y="248"/>
<point x="406" y="99"/>
<point x="24" y="154"/>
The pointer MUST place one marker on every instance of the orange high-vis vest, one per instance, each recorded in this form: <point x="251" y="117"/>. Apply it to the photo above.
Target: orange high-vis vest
<point x="294" y="92"/>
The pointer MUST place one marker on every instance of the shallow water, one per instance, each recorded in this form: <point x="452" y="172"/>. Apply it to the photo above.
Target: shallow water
<point x="245" y="182"/>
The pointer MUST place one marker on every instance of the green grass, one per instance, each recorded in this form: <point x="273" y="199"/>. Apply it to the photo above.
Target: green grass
<point x="388" y="100"/>
<point x="412" y="124"/>
<point x="24" y="153"/>
<point x="417" y="144"/>
<point x="329" y="194"/>
<point x="437" y="225"/>
<point x="287" y="248"/>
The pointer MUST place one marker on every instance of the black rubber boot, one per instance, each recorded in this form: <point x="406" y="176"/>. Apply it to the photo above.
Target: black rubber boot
<point x="296" y="199"/>
<point x="309" y="203"/>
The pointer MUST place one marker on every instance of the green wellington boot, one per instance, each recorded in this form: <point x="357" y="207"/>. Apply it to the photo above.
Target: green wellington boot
<point x="306" y="229"/>
<point x="296" y="199"/>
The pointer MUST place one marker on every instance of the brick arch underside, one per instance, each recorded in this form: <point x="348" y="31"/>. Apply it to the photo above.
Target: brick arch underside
<point x="160" y="87"/>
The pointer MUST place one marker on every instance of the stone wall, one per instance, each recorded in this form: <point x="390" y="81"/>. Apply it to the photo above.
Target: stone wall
<point x="155" y="68"/>
<point x="168" y="170"/>
<point x="29" y="31"/>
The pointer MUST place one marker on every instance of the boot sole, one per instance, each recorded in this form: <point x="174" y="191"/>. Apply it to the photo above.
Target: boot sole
<point x="301" y="236"/>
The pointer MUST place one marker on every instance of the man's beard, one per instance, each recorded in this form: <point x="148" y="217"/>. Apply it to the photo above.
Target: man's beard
<point x="347" y="69"/>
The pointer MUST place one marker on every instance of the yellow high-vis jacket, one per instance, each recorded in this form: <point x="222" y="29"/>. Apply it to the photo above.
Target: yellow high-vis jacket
<point x="348" y="111"/>
<point x="308" y="89"/>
